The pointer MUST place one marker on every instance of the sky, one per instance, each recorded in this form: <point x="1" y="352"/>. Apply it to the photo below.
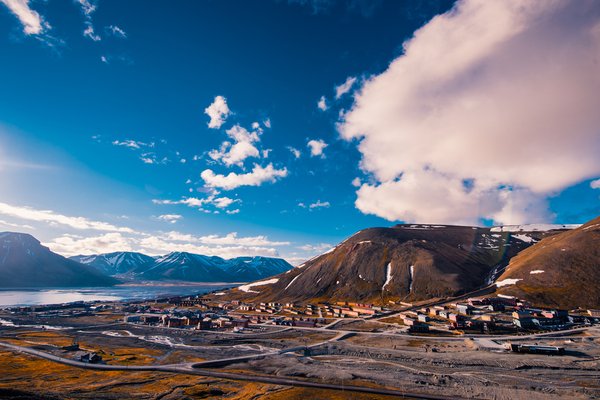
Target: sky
<point x="279" y="128"/>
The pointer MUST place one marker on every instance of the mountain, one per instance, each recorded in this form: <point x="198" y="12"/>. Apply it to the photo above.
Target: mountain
<point x="118" y="263"/>
<point x="401" y="263"/>
<point x="24" y="262"/>
<point x="560" y="271"/>
<point x="183" y="266"/>
<point x="248" y="269"/>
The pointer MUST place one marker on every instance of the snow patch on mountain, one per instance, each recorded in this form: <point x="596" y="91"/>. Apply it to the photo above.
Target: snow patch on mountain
<point x="507" y="282"/>
<point x="388" y="275"/>
<point x="533" y="227"/>
<point x="246" y="288"/>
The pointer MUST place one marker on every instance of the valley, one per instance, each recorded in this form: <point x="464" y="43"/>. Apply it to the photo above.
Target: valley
<point x="412" y="311"/>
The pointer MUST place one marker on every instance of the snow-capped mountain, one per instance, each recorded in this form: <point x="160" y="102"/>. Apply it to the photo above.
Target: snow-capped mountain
<point x="24" y="262"/>
<point x="252" y="268"/>
<point x="183" y="266"/>
<point x="117" y="263"/>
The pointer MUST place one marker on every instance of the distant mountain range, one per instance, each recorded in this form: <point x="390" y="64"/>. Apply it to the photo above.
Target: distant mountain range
<point x="24" y="262"/>
<point x="412" y="263"/>
<point x="184" y="266"/>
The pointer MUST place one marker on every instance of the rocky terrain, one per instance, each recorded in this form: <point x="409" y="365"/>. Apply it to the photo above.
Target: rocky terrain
<point x="560" y="271"/>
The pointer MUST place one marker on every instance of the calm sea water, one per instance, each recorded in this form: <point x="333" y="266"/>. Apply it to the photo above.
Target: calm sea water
<point x="25" y="297"/>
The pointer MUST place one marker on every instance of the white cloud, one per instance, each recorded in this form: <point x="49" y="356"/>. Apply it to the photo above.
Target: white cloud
<point x="232" y="212"/>
<point x="213" y="199"/>
<point x="116" y="31"/>
<point x="151" y="158"/>
<point x="294" y="151"/>
<point x="256" y="177"/>
<point x="322" y="104"/>
<point x="71" y="245"/>
<point x="491" y="109"/>
<point x="356" y="182"/>
<point x="595" y="184"/>
<point x="218" y="112"/>
<point x="171" y="218"/>
<point x="88" y="8"/>
<point x="104" y="59"/>
<point x="316" y="147"/>
<point x="267" y="123"/>
<point x="13" y="225"/>
<point x="344" y="87"/>
<point x="229" y="239"/>
<point x="132" y="144"/>
<point x="316" y="248"/>
<point x="33" y="23"/>
<point x="230" y="245"/>
<point x="241" y="149"/>
<point x="51" y="217"/>
<point x="319" y="204"/>
<point x="89" y="33"/>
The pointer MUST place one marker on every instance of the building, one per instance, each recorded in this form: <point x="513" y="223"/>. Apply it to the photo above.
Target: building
<point x="87" y="357"/>
<point x="423" y="318"/>
<point x="466" y="309"/>
<point x="205" y="324"/>
<point x="534" y="349"/>
<point x="239" y="323"/>
<point x="176" y="322"/>
<point x="305" y="323"/>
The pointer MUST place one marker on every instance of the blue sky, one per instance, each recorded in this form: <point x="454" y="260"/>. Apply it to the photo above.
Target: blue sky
<point x="104" y="135"/>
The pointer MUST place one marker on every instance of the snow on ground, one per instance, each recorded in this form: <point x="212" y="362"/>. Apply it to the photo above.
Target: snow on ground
<point x="507" y="282"/>
<point x="412" y="274"/>
<point x="505" y="296"/>
<point x="590" y="227"/>
<point x="388" y="275"/>
<point x="220" y="294"/>
<point x="292" y="281"/>
<point x="364" y="242"/>
<point x="524" y="238"/>
<point x="246" y="288"/>
<point x="537" y="271"/>
<point x="423" y="226"/>
<point x="533" y="227"/>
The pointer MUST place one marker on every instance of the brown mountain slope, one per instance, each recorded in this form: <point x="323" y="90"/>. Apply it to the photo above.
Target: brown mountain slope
<point x="560" y="271"/>
<point x="405" y="262"/>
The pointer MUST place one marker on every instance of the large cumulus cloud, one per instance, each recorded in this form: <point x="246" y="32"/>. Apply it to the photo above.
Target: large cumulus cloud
<point x="493" y="107"/>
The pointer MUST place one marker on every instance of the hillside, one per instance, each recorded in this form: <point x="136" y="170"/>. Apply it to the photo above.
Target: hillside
<point x="402" y="263"/>
<point x="183" y="266"/>
<point x="560" y="271"/>
<point x="24" y="262"/>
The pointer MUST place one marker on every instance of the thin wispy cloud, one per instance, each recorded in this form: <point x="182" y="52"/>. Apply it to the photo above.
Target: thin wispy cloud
<point x="51" y="217"/>
<point x="344" y="87"/>
<point x="170" y="218"/>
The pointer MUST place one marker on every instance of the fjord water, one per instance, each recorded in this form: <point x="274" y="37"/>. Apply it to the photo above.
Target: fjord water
<point x="37" y="296"/>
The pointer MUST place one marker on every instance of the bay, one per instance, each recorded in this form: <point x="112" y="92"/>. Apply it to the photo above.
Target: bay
<point x="38" y="296"/>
